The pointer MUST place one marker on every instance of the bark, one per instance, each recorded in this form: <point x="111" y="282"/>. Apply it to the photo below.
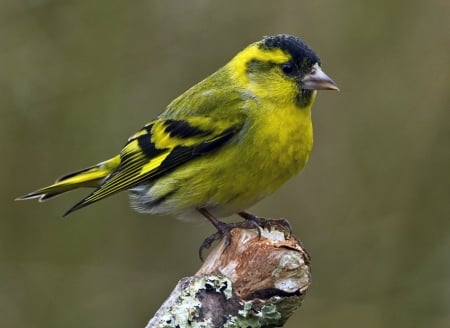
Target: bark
<point x="254" y="282"/>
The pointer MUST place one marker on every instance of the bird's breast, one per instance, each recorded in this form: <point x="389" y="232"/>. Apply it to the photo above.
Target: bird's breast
<point x="284" y="140"/>
<point x="271" y="151"/>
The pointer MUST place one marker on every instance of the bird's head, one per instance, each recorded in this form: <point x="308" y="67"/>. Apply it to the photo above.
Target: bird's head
<point x="281" y="67"/>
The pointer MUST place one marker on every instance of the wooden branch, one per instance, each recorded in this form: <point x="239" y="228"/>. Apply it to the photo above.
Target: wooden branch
<point x="254" y="282"/>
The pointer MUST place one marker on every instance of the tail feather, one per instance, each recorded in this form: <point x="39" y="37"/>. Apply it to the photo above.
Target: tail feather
<point x="78" y="206"/>
<point x="88" y="177"/>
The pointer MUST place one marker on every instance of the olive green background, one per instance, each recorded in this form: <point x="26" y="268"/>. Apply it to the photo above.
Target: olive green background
<point x="372" y="206"/>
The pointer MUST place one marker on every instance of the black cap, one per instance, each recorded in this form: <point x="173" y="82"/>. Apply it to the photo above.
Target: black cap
<point x="301" y="54"/>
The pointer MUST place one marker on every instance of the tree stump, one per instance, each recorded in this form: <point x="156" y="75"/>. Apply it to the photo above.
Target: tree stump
<point x="257" y="281"/>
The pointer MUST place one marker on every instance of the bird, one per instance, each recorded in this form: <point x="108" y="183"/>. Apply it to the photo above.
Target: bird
<point x="221" y="146"/>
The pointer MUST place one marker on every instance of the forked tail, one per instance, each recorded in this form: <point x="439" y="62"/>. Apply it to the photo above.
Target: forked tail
<point x="88" y="177"/>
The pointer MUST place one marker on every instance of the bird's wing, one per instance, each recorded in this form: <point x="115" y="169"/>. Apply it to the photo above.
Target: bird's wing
<point x="160" y="147"/>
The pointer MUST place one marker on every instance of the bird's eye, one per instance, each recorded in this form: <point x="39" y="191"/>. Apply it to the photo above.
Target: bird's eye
<point x="288" y="68"/>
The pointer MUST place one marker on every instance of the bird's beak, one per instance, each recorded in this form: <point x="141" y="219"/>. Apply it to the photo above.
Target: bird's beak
<point x="317" y="80"/>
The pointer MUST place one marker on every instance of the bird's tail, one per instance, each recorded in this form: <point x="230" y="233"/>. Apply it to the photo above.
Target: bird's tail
<point x="88" y="177"/>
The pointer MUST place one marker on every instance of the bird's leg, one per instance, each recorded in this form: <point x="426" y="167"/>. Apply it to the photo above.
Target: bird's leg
<point x="223" y="230"/>
<point x="267" y="223"/>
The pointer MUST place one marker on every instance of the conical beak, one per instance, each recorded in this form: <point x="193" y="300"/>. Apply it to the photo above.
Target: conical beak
<point x="317" y="80"/>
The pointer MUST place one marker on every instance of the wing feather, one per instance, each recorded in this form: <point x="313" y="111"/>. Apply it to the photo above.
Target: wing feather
<point x="157" y="149"/>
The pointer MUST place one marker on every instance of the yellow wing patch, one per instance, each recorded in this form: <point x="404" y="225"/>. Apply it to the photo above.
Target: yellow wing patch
<point x="160" y="147"/>
<point x="154" y="163"/>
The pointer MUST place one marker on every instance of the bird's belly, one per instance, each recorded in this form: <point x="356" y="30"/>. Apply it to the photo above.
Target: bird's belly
<point x="260" y="174"/>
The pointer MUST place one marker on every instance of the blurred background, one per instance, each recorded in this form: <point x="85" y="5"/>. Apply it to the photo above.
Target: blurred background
<point x="372" y="206"/>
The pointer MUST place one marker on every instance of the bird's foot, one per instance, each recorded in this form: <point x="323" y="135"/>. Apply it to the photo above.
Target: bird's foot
<point x="223" y="231"/>
<point x="282" y="224"/>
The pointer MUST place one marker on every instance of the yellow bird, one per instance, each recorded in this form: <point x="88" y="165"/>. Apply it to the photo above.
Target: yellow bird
<point x="222" y="145"/>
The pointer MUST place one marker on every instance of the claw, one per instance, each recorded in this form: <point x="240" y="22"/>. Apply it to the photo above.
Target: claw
<point x="206" y="244"/>
<point x="223" y="231"/>
<point x="282" y="224"/>
<point x="251" y="222"/>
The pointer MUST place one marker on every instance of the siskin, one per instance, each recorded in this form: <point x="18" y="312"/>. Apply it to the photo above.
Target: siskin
<point x="222" y="145"/>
